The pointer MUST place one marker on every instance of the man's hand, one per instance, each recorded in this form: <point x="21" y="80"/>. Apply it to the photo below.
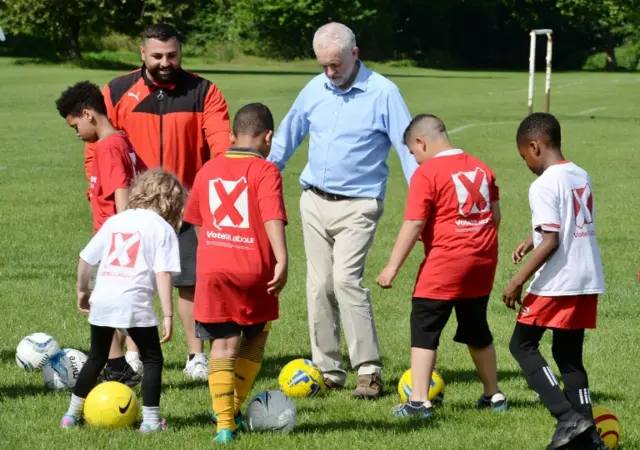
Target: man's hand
<point x="280" y="274"/>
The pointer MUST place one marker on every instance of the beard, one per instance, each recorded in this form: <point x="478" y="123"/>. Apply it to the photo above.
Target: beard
<point x="343" y="78"/>
<point x="167" y="75"/>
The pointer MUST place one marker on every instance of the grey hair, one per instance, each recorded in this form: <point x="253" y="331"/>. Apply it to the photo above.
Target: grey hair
<point x="337" y="34"/>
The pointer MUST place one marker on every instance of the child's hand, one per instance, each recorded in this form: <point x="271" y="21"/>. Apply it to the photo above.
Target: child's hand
<point x="521" y="250"/>
<point x="167" y="329"/>
<point x="280" y="274"/>
<point x="83" y="299"/>
<point x="512" y="294"/>
<point x="386" y="277"/>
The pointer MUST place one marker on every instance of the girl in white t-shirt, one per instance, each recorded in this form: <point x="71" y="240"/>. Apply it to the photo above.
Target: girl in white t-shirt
<point x="138" y="254"/>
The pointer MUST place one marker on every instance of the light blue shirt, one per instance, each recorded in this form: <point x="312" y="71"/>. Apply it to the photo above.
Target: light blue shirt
<point x="350" y="134"/>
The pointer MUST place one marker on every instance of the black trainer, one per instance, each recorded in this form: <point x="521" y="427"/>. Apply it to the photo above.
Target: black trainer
<point x="568" y="430"/>
<point x="128" y="377"/>
<point x="588" y="441"/>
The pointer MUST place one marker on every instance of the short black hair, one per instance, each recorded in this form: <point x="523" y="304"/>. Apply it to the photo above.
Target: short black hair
<point x="417" y="120"/>
<point x="252" y="120"/>
<point x="80" y="96"/>
<point x="540" y="125"/>
<point x="160" y="31"/>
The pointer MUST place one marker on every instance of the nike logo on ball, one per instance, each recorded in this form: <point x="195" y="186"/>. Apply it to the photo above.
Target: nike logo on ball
<point x="126" y="408"/>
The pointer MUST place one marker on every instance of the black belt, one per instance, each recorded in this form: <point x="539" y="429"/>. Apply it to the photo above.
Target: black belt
<point x="327" y="195"/>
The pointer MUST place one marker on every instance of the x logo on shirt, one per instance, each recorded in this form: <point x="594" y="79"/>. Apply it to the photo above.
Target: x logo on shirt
<point x="472" y="187"/>
<point x="583" y="205"/>
<point x="124" y="249"/>
<point x="227" y="206"/>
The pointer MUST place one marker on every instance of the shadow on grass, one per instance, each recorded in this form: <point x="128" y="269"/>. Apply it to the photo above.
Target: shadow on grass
<point x="603" y="397"/>
<point x="174" y="365"/>
<point x="394" y="425"/>
<point x="187" y="384"/>
<point x="195" y="420"/>
<point x="514" y="404"/>
<point x="23" y="391"/>
<point x="471" y="375"/>
<point x="7" y="356"/>
<point x="465" y="376"/>
<point x="203" y="420"/>
<point x="271" y="367"/>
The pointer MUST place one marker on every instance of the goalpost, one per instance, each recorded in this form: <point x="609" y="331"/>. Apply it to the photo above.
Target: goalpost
<point x="532" y="67"/>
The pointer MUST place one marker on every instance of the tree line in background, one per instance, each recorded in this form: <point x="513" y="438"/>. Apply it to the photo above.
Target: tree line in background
<point x="435" y="33"/>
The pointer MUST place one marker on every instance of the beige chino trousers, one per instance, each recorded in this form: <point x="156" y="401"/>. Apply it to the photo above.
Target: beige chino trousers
<point x="337" y="238"/>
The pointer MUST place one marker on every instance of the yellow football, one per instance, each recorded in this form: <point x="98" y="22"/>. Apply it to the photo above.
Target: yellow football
<point x="436" y="387"/>
<point x="608" y="425"/>
<point x="301" y="378"/>
<point x="111" y="405"/>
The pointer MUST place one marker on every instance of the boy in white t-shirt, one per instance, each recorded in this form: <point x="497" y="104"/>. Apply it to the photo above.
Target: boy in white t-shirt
<point x="568" y="278"/>
<point x="138" y="253"/>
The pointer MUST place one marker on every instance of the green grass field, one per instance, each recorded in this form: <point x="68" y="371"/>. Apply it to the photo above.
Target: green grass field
<point x="45" y="221"/>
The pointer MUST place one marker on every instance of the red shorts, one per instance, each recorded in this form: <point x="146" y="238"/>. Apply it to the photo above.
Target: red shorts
<point x="571" y="312"/>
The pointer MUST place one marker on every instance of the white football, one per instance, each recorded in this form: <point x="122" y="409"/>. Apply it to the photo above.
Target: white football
<point x="62" y="369"/>
<point x="271" y="411"/>
<point x="34" y="350"/>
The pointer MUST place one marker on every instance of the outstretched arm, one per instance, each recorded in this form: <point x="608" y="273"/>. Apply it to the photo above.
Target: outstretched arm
<point x="216" y="122"/>
<point x="407" y="238"/>
<point x="544" y="251"/>
<point x="278" y="241"/>
<point x="292" y="131"/>
<point x="397" y="119"/>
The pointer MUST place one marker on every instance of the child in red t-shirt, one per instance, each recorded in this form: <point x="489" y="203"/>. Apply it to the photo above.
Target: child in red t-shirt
<point x="453" y="206"/>
<point x="237" y="207"/>
<point x="113" y="169"/>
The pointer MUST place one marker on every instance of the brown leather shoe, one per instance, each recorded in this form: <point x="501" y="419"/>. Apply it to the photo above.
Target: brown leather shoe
<point x="369" y="387"/>
<point x="331" y="385"/>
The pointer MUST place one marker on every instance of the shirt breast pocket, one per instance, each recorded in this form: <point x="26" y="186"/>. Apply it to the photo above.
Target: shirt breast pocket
<point x="360" y="114"/>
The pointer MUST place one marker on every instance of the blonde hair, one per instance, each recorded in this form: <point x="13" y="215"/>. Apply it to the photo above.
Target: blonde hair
<point x="159" y="191"/>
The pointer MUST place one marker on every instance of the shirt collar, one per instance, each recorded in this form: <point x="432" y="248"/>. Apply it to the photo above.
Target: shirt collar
<point x="149" y="82"/>
<point x="240" y="152"/>
<point x="359" y="83"/>
<point x="454" y="151"/>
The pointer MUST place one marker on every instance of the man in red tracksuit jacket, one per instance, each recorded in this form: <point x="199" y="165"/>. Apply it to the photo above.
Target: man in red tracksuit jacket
<point x="178" y="121"/>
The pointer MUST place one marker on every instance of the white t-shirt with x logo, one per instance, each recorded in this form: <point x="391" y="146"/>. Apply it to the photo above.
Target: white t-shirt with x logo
<point x="561" y="200"/>
<point x="131" y="247"/>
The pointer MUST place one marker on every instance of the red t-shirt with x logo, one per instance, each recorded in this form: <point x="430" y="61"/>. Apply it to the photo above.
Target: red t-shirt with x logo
<point x="453" y="193"/>
<point x="114" y="166"/>
<point x="232" y="197"/>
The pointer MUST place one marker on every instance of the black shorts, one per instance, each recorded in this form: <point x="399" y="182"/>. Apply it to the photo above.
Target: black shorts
<point x="212" y="331"/>
<point x="429" y="317"/>
<point x="188" y="243"/>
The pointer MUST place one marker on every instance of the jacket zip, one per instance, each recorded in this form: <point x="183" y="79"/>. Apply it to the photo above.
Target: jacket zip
<point x="160" y="98"/>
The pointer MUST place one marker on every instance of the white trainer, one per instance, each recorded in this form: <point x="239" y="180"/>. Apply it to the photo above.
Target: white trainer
<point x="133" y="358"/>
<point x="198" y="367"/>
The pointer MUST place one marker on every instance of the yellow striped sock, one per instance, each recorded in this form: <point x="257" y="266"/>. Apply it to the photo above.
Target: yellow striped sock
<point x="222" y="387"/>
<point x="247" y="368"/>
